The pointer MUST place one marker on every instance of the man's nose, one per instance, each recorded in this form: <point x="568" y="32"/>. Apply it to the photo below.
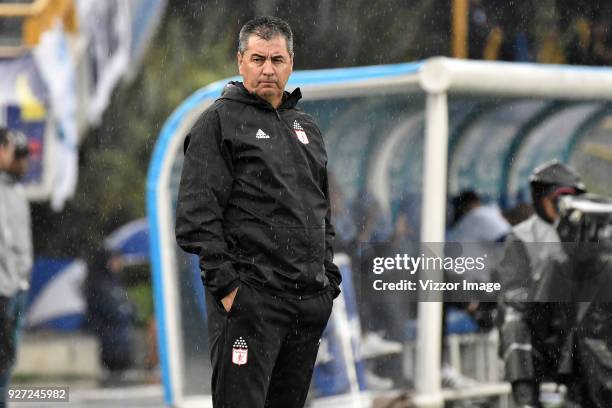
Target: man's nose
<point x="268" y="68"/>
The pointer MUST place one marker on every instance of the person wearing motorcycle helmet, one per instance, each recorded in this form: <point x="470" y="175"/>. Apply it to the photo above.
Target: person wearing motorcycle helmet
<point x="550" y="181"/>
<point x="531" y="354"/>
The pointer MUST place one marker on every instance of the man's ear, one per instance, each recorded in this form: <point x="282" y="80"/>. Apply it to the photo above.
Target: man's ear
<point x="239" y="61"/>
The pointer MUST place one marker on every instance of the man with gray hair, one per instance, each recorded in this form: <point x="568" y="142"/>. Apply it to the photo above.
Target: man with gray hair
<point x="253" y="204"/>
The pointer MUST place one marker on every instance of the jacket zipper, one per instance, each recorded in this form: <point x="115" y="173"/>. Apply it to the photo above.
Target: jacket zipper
<point x="295" y="154"/>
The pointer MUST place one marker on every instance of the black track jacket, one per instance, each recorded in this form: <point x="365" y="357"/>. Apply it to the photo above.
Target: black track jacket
<point x="253" y="200"/>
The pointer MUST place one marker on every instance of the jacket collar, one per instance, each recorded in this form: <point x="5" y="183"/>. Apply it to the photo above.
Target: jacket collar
<point x="235" y="90"/>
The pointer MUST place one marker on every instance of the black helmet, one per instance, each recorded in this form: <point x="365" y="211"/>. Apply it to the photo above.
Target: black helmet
<point x="557" y="175"/>
<point x="553" y="178"/>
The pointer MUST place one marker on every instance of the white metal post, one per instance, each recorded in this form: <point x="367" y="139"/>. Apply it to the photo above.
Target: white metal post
<point x="428" y="381"/>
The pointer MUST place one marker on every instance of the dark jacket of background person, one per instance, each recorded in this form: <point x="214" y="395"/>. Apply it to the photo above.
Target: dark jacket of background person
<point x="110" y="314"/>
<point x="563" y="312"/>
<point x="253" y="203"/>
<point x="527" y="248"/>
<point x="555" y="327"/>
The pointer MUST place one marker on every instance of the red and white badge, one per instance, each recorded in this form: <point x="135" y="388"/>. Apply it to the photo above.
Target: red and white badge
<point x="299" y="131"/>
<point x="240" y="352"/>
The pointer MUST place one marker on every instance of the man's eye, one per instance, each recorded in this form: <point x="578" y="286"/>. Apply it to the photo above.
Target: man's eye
<point x="257" y="59"/>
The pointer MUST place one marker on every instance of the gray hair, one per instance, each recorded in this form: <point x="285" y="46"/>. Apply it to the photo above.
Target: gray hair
<point x="265" y="28"/>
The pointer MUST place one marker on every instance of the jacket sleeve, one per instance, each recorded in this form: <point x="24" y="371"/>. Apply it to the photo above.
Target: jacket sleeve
<point x="331" y="269"/>
<point x="205" y="188"/>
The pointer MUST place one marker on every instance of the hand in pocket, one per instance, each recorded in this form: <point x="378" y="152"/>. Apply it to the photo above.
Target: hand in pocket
<point x="228" y="300"/>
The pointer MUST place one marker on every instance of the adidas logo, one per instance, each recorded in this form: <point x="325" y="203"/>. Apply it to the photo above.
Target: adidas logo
<point x="261" y="134"/>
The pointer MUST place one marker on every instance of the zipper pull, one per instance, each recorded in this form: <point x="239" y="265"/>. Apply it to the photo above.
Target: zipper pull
<point x="277" y="115"/>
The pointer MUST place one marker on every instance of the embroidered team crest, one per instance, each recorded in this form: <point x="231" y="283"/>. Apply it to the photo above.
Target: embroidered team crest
<point x="261" y="134"/>
<point x="299" y="131"/>
<point x="240" y="352"/>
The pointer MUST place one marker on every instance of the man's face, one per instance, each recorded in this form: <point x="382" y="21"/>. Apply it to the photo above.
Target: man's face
<point x="115" y="264"/>
<point x="550" y="209"/>
<point x="6" y="155"/>
<point x="265" y="67"/>
<point x="19" y="167"/>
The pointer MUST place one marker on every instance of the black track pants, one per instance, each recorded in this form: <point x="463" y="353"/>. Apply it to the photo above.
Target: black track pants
<point x="263" y="351"/>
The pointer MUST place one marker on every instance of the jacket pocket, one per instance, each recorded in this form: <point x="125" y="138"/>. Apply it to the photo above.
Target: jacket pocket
<point x="317" y="244"/>
<point x="237" y="304"/>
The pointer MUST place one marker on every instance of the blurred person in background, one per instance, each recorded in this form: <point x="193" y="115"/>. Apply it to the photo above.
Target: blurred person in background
<point x="373" y="225"/>
<point x="531" y="335"/>
<point x="20" y="219"/>
<point x="590" y="41"/>
<point x="9" y="281"/>
<point x="479" y="29"/>
<point x="580" y="285"/>
<point x="344" y="225"/>
<point x="476" y="222"/>
<point x="478" y="226"/>
<point x="579" y="50"/>
<point x="390" y="314"/>
<point x="374" y="230"/>
<point x="20" y="227"/>
<point x="110" y="314"/>
<point x="602" y="41"/>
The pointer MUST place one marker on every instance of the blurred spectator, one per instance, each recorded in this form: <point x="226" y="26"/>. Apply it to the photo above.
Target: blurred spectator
<point x="475" y="222"/>
<point x="372" y="223"/>
<point x="478" y="30"/>
<point x="590" y="42"/>
<point x="407" y="220"/>
<point x="509" y="38"/>
<point x="579" y="48"/>
<point x="494" y="42"/>
<point x="20" y="220"/>
<point x="8" y="279"/>
<point x="602" y="44"/>
<point x="364" y="223"/>
<point x="389" y="313"/>
<point x="110" y="314"/>
<point x="373" y="227"/>
<point x="551" y="51"/>
<point x="513" y="45"/>
<point x="344" y="225"/>
<point x="20" y="230"/>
